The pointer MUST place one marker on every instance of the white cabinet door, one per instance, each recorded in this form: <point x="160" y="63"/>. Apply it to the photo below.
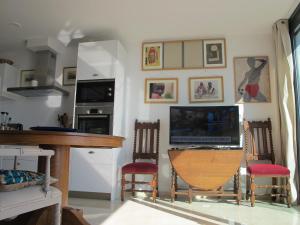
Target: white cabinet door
<point x="91" y="178"/>
<point x="91" y="170"/>
<point x="9" y="78"/>
<point x="96" y="60"/>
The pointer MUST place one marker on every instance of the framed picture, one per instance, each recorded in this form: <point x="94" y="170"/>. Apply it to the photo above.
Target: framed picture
<point x="152" y="56"/>
<point x="173" y="55"/>
<point x="161" y="90"/>
<point x="252" y="79"/>
<point x="206" y="89"/>
<point x="193" y="54"/>
<point x="27" y="76"/>
<point x="214" y="53"/>
<point x="69" y="76"/>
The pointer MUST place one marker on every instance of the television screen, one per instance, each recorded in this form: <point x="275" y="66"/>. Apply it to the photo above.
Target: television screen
<point x="207" y="126"/>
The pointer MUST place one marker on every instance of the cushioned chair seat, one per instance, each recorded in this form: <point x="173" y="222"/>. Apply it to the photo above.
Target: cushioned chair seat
<point x="140" y="167"/>
<point x="267" y="169"/>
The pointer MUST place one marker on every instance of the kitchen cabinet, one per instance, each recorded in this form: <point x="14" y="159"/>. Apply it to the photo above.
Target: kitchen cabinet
<point x="99" y="60"/>
<point x="9" y="77"/>
<point x="94" y="170"/>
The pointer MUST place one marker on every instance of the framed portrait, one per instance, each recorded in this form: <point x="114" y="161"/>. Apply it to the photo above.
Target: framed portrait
<point x="27" y="76"/>
<point x="152" y="56"/>
<point x="161" y="90"/>
<point x="69" y="76"/>
<point x="214" y="53"/>
<point x="206" y="89"/>
<point x="252" y="79"/>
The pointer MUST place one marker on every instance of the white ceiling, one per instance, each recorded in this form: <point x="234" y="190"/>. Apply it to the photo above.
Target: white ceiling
<point x="132" y="20"/>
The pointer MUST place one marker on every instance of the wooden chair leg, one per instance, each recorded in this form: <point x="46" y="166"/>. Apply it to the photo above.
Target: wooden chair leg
<point x="252" y="187"/>
<point x="288" y="192"/>
<point x="274" y="190"/>
<point x="154" y="187"/>
<point x="122" y="187"/>
<point x="247" y="187"/>
<point x="132" y="184"/>
<point x="238" y="187"/>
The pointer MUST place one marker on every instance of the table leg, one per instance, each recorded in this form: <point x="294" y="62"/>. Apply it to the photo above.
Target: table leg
<point x="59" y="168"/>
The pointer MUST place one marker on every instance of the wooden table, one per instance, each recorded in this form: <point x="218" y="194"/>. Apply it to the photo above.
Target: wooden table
<point x="60" y="142"/>
<point x="206" y="171"/>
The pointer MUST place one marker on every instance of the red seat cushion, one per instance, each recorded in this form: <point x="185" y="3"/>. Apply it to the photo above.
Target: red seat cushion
<point x="140" y="167"/>
<point x="267" y="169"/>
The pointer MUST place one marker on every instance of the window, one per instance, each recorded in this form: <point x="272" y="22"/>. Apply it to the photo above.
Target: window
<point x="294" y="26"/>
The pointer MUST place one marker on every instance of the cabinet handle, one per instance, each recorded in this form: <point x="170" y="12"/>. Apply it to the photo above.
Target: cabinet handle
<point x="95" y="75"/>
<point x="91" y="152"/>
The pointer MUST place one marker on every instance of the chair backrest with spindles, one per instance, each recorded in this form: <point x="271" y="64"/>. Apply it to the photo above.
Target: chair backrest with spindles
<point x="258" y="142"/>
<point x="146" y="140"/>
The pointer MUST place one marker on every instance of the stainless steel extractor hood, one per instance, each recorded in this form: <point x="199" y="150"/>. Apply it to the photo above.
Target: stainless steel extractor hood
<point x="43" y="82"/>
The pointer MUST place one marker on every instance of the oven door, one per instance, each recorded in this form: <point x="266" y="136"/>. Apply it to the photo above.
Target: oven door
<point x="96" y="124"/>
<point x="95" y="91"/>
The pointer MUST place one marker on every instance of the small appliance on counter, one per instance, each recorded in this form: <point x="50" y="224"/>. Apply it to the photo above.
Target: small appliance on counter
<point x="6" y="123"/>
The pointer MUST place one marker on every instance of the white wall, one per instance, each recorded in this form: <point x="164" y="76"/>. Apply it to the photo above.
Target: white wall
<point x="43" y="111"/>
<point x="40" y="111"/>
<point x="255" y="45"/>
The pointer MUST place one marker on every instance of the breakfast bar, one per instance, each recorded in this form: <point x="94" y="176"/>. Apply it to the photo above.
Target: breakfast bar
<point x="60" y="142"/>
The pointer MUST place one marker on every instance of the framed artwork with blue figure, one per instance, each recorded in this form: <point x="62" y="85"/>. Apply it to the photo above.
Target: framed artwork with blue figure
<point x="252" y="79"/>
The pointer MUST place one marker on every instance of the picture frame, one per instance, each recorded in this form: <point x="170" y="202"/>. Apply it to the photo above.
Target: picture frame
<point x="214" y="53"/>
<point x="206" y="89"/>
<point x="161" y="90"/>
<point x="172" y="55"/>
<point x="252" y="79"/>
<point x="26" y="78"/>
<point x="69" y="76"/>
<point x="152" y="56"/>
<point x="193" y="54"/>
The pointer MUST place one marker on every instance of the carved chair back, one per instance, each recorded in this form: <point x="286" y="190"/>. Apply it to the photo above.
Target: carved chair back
<point x="258" y="143"/>
<point x="146" y="141"/>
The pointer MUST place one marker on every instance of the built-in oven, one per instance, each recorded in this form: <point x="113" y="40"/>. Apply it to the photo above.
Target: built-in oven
<point x="92" y="92"/>
<point x="97" y="120"/>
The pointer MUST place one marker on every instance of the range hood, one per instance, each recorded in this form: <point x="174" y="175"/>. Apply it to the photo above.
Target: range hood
<point x="44" y="83"/>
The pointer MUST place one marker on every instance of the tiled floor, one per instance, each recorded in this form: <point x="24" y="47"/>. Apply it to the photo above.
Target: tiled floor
<point x="136" y="211"/>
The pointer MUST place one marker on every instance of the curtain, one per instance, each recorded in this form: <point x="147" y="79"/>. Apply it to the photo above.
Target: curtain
<point x="286" y="100"/>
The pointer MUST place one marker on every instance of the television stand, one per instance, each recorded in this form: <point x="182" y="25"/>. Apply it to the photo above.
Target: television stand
<point x="206" y="171"/>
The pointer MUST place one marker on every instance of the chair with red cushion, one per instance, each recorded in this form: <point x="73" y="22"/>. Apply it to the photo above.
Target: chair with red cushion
<point x="259" y="146"/>
<point x="146" y="143"/>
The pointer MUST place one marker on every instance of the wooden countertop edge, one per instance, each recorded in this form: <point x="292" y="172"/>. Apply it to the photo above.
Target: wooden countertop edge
<point x="33" y="132"/>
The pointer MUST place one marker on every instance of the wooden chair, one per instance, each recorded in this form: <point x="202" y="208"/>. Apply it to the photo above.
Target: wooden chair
<point x="259" y="146"/>
<point x="146" y="146"/>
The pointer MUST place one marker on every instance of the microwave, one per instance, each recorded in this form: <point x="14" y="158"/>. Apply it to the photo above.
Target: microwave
<point x="95" y="91"/>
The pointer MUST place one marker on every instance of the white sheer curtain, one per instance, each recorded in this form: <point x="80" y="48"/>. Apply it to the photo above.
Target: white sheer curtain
<point x="286" y="99"/>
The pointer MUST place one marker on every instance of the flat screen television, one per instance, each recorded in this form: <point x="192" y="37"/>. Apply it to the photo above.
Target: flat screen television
<point x="205" y="126"/>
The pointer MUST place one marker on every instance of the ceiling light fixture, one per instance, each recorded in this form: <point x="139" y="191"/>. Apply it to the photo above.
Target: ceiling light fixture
<point x="15" y="25"/>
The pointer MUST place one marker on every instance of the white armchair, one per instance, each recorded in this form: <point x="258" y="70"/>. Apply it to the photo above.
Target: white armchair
<point x="31" y="198"/>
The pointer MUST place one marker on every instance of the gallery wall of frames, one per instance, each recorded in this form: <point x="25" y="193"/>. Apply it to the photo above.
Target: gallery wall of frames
<point x="251" y="73"/>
